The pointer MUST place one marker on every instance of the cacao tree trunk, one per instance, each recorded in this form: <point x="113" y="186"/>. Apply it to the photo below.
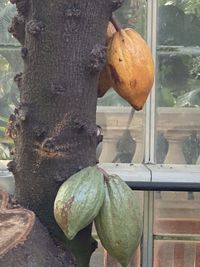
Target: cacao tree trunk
<point x="54" y="128"/>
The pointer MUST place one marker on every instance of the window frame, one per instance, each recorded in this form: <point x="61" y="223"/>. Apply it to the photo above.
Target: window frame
<point x="149" y="176"/>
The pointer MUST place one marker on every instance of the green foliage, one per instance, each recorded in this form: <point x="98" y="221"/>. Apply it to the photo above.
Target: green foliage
<point x="7" y="11"/>
<point x="195" y="69"/>
<point x="133" y="15"/>
<point x="178" y="67"/>
<point x="188" y="6"/>
<point x="165" y="98"/>
<point x="190" y="99"/>
<point x="7" y="88"/>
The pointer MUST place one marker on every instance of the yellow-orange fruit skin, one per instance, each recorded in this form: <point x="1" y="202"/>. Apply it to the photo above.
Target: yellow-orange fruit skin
<point x="104" y="82"/>
<point x="110" y="31"/>
<point x="104" y="78"/>
<point x="130" y="66"/>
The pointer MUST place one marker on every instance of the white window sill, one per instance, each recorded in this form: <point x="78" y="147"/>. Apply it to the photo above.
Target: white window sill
<point x="139" y="176"/>
<point x="163" y="176"/>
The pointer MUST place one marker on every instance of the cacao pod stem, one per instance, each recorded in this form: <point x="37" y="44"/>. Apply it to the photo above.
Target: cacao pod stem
<point x="115" y="23"/>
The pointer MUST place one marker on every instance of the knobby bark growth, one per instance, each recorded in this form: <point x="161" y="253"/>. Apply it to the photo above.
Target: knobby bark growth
<point x="54" y="127"/>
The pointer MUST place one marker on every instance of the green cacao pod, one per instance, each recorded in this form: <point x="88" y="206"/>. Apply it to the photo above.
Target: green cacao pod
<point x="79" y="200"/>
<point x="119" y="222"/>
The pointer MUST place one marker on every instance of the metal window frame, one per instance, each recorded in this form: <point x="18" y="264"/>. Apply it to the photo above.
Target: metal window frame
<point x="150" y="115"/>
<point x="157" y="177"/>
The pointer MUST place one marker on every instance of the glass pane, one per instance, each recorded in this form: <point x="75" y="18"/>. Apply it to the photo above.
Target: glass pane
<point x="101" y="258"/>
<point x="10" y="64"/>
<point x="7" y="12"/>
<point x="121" y="142"/>
<point x="177" y="229"/>
<point x="178" y="82"/>
<point x="123" y="134"/>
<point x="174" y="254"/>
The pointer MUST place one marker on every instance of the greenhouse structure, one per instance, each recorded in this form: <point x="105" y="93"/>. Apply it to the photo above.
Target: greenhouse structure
<point x="155" y="150"/>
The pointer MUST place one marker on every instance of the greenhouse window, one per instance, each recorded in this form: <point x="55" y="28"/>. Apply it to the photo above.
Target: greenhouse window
<point x="157" y="150"/>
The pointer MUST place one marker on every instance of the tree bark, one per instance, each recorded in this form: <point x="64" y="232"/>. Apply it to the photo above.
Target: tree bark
<point x="54" y="128"/>
<point x="24" y="241"/>
<point x="38" y="250"/>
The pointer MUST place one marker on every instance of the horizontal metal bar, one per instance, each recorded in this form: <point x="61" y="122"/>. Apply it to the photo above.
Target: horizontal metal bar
<point x="128" y="172"/>
<point x="155" y="177"/>
<point x="9" y="46"/>
<point x="163" y="186"/>
<point x="145" y="177"/>
<point x="171" y="173"/>
<point x="186" y="238"/>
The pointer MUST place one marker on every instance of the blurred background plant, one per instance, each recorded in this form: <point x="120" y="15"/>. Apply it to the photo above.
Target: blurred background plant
<point x="178" y="57"/>
<point x="188" y="6"/>
<point x="10" y="63"/>
<point x="7" y="10"/>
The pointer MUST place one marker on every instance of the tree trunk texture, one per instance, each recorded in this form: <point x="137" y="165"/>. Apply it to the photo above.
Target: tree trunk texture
<point x="37" y="251"/>
<point x="54" y="127"/>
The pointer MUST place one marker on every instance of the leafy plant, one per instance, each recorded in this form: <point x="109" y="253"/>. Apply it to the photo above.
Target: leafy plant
<point x="188" y="6"/>
<point x="8" y="63"/>
<point x="7" y="11"/>
<point x="190" y="99"/>
<point x="133" y="14"/>
<point x="195" y="70"/>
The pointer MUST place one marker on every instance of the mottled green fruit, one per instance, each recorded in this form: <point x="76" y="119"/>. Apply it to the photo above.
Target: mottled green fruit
<point x="119" y="222"/>
<point x="79" y="200"/>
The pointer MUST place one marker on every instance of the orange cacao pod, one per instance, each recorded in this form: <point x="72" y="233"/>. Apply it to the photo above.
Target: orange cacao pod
<point x="110" y="31"/>
<point x="130" y="66"/>
<point x="104" y="82"/>
<point x="104" y="78"/>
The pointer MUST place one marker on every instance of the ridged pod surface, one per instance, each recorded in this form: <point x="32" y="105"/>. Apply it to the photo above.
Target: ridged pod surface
<point x="79" y="200"/>
<point x="119" y="222"/>
<point x="130" y="66"/>
<point x="105" y="82"/>
<point x="110" y="31"/>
